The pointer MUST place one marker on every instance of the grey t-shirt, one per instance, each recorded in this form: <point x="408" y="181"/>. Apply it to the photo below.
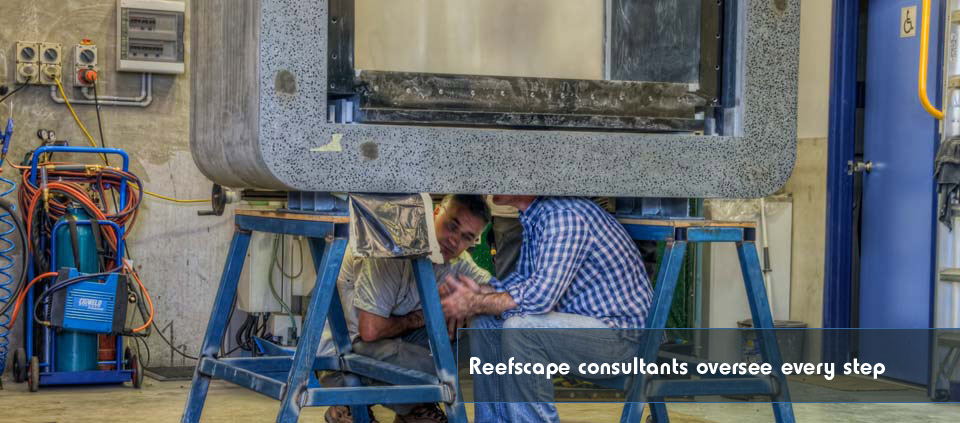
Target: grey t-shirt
<point x="387" y="287"/>
<point x="350" y="268"/>
<point x="346" y="281"/>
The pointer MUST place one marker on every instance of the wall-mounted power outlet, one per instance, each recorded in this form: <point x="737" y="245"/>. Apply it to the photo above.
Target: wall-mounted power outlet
<point x="50" y="63"/>
<point x="50" y="72"/>
<point x="85" y="59"/>
<point x="28" y="73"/>
<point x="28" y="62"/>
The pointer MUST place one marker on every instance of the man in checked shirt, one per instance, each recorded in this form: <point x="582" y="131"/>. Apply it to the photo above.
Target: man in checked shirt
<point x="578" y="269"/>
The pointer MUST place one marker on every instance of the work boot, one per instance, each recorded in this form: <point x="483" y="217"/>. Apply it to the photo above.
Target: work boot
<point x="341" y="414"/>
<point x="425" y="413"/>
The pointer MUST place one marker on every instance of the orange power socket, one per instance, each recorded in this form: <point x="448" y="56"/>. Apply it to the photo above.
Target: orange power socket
<point x="88" y="76"/>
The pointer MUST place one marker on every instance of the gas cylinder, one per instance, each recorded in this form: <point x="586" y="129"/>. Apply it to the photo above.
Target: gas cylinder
<point x="76" y="351"/>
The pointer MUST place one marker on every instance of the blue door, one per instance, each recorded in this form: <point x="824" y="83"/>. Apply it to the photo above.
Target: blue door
<point x="898" y="220"/>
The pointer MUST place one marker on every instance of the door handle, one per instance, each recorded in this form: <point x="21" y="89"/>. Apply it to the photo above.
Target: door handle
<point x="858" y="166"/>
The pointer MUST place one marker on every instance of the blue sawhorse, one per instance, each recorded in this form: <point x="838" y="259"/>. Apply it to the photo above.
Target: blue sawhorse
<point x="648" y="389"/>
<point x="289" y="379"/>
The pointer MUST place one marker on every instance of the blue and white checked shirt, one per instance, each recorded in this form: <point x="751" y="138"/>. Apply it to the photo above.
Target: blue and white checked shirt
<point x="577" y="258"/>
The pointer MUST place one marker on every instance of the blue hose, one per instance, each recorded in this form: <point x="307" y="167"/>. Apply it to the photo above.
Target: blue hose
<point x="6" y="277"/>
<point x="6" y="247"/>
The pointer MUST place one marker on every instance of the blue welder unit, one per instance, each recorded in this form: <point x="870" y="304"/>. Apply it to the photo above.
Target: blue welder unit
<point x="94" y="306"/>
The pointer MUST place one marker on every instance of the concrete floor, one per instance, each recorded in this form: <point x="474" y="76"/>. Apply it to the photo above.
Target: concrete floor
<point x="163" y="402"/>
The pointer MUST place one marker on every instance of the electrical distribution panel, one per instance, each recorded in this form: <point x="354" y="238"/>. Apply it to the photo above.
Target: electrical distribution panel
<point x="150" y="34"/>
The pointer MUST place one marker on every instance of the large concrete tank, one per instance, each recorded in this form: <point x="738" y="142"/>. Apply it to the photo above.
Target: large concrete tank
<point x="261" y="117"/>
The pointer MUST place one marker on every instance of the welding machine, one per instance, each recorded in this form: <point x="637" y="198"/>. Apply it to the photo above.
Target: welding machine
<point x="96" y="305"/>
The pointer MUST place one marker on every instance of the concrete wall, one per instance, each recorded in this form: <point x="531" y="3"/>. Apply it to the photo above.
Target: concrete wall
<point x="814" y="96"/>
<point x="179" y="255"/>
<point x="808" y="184"/>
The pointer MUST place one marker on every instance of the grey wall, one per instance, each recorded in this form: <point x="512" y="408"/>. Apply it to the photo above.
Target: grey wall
<point x="179" y="254"/>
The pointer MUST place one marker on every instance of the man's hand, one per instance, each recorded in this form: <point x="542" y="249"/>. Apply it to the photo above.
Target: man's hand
<point x="443" y="289"/>
<point x="470" y="283"/>
<point x="459" y="296"/>
<point x="413" y="320"/>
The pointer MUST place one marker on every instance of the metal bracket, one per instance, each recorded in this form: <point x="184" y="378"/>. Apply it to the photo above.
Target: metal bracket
<point x="950" y="275"/>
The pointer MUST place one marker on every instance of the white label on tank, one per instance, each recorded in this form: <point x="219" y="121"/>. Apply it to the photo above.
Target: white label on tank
<point x="908" y="22"/>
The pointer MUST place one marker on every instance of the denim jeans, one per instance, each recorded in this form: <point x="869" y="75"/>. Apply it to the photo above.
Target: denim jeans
<point x="531" y="396"/>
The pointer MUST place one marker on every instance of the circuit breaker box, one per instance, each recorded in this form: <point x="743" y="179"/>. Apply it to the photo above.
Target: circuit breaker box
<point x="151" y="35"/>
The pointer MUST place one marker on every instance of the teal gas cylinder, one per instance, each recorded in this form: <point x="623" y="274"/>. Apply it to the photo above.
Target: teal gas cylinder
<point x="76" y="351"/>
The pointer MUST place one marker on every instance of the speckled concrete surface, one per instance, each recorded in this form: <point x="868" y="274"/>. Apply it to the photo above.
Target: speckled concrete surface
<point x="425" y="159"/>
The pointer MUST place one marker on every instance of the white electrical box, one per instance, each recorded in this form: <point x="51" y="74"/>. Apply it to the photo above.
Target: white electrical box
<point x="253" y="291"/>
<point x="150" y="36"/>
<point x="280" y="328"/>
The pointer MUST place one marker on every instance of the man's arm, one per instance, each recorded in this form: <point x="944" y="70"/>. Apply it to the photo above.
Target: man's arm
<point x="557" y="259"/>
<point x="463" y="298"/>
<point x="375" y="296"/>
<point x="374" y="328"/>
<point x="495" y="303"/>
<point x="483" y="281"/>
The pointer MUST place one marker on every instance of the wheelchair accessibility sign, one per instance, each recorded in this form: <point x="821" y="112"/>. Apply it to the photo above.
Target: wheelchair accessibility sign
<point x="908" y="22"/>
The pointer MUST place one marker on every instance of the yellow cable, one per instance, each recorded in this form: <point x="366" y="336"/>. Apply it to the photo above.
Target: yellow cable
<point x="175" y="200"/>
<point x="924" y="46"/>
<point x="94" y="144"/>
<point x="76" y="118"/>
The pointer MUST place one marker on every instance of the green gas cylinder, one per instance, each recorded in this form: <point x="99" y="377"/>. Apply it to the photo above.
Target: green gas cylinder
<point x="76" y="351"/>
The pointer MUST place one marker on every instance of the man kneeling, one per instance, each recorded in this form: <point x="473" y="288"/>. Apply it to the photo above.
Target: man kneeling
<point x="382" y="304"/>
<point x="578" y="269"/>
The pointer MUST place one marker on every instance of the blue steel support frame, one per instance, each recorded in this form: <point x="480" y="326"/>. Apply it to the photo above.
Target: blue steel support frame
<point x="287" y="377"/>
<point x="837" y="292"/>
<point x="217" y="327"/>
<point x="339" y="330"/>
<point x="324" y="289"/>
<point x="763" y="322"/>
<point x="667" y="274"/>
<point x="650" y="390"/>
<point x="439" y="340"/>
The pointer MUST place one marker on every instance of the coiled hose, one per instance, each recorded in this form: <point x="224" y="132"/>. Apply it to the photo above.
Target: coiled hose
<point x="11" y="280"/>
